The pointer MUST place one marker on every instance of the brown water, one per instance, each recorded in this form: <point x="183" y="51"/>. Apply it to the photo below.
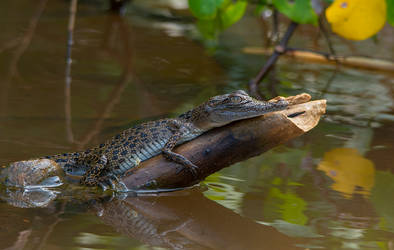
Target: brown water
<point x="331" y="188"/>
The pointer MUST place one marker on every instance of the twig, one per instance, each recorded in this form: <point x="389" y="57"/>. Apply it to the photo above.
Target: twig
<point x="264" y="32"/>
<point x="328" y="40"/>
<point x="275" y="25"/>
<point x="22" y="240"/>
<point x="117" y="92"/>
<point x="322" y="57"/>
<point x="328" y="56"/>
<point x="67" y="87"/>
<point x="280" y="49"/>
<point x="24" y="43"/>
<point x="113" y="100"/>
<point x="52" y="226"/>
<point x="10" y="44"/>
<point x="329" y="81"/>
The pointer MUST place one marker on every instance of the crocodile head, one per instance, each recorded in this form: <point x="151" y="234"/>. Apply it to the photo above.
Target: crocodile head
<point x="224" y="109"/>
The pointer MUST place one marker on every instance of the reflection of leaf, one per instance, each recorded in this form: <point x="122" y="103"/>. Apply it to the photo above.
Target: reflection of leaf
<point x="349" y="170"/>
<point x="357" y="19"/>
<point x="381" y="195"/>
<point x="289" y="205"/>
<point x="224" y="194"/>
<point x="233" y="13"/>
<point x="294" y="230"/>
<point x="390" y="11"/>
<point x="299" y="11"/>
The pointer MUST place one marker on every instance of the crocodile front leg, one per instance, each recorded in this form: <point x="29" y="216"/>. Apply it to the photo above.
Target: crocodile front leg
<point x="172" y="156"/>
<point x="93" y="175"/>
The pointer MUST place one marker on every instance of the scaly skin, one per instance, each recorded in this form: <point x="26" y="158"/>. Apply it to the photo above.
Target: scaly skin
<point x="102" y="164"/>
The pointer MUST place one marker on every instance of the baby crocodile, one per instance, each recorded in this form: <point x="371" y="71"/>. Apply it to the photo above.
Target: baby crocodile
<point x="102" y="164"/>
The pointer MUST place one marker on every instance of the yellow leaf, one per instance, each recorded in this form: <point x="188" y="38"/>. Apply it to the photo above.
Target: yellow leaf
<point x="356" y="19"/>
<point x="351" y="172"/>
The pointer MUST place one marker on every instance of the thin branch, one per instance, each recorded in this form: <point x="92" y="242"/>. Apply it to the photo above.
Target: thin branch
<point x="328" y="56"/>
<point x="264" y="31"/>
<point x="24" y="43"/>
<point x="329" y="81"/>
<point x="67" y="87"/>
<point x="322" y="57"/>
<point x="52" y="226"/>
<point x="280" y="49"/>
<point x="10" y="44"/>
<point x="124" y="80"/>
<point x="327" y="37"/>
<point x="113" y="100"/>
<point x="21" y="241"/>
<point x="275" y="25"/>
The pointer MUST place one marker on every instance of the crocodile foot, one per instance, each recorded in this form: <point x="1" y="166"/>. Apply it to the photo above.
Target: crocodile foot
<point x="193" y="169"/>
<point x="112" y="182"/>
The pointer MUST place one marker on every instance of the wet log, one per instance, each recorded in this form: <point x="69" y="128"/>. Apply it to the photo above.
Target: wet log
<point x="227" y="145"/>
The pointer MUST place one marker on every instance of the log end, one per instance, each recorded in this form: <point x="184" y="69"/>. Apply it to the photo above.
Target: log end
<point x="306" y="115"/>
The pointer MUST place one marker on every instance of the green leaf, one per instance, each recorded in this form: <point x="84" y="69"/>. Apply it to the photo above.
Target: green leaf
<point x="222" y="4"/>
<point x="233" y="13"/>
<point x="299" y="11"/>
<point x="204" y="9"/>
<point x="390" y="11"/>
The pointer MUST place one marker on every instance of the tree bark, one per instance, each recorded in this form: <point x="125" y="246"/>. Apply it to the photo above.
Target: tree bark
<point x="227" y="145"/>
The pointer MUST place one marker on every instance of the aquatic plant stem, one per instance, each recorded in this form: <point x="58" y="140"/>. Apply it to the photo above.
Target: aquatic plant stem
<point x="279" y="50"/>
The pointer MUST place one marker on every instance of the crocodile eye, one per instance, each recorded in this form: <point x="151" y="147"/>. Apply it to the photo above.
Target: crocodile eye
<point x="236" y="99"/>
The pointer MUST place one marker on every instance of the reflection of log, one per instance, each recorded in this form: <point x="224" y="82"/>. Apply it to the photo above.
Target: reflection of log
<point x="188" y="220"/>
<point x="351" y="61"/>
<point x="224" y="146"/>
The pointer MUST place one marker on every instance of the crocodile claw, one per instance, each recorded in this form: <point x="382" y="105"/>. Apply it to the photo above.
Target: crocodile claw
<point x="114" y="183"/>
<point x="192" y="169"/>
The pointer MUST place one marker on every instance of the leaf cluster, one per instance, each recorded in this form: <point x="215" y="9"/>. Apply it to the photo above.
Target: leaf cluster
<point x="216" y="15"/>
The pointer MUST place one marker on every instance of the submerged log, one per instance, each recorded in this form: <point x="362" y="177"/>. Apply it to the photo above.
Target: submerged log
<point x="227" y="145"/>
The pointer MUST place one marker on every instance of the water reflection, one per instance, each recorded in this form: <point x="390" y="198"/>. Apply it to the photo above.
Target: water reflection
<point x="147" y="65"/>
<point x="186" y="219"/>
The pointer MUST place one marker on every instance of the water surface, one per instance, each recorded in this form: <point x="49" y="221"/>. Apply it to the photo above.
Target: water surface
<point x="331" y="188"/>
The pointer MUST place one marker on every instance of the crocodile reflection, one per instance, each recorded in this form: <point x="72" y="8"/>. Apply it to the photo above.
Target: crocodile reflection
<point x="186" y="219"/>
